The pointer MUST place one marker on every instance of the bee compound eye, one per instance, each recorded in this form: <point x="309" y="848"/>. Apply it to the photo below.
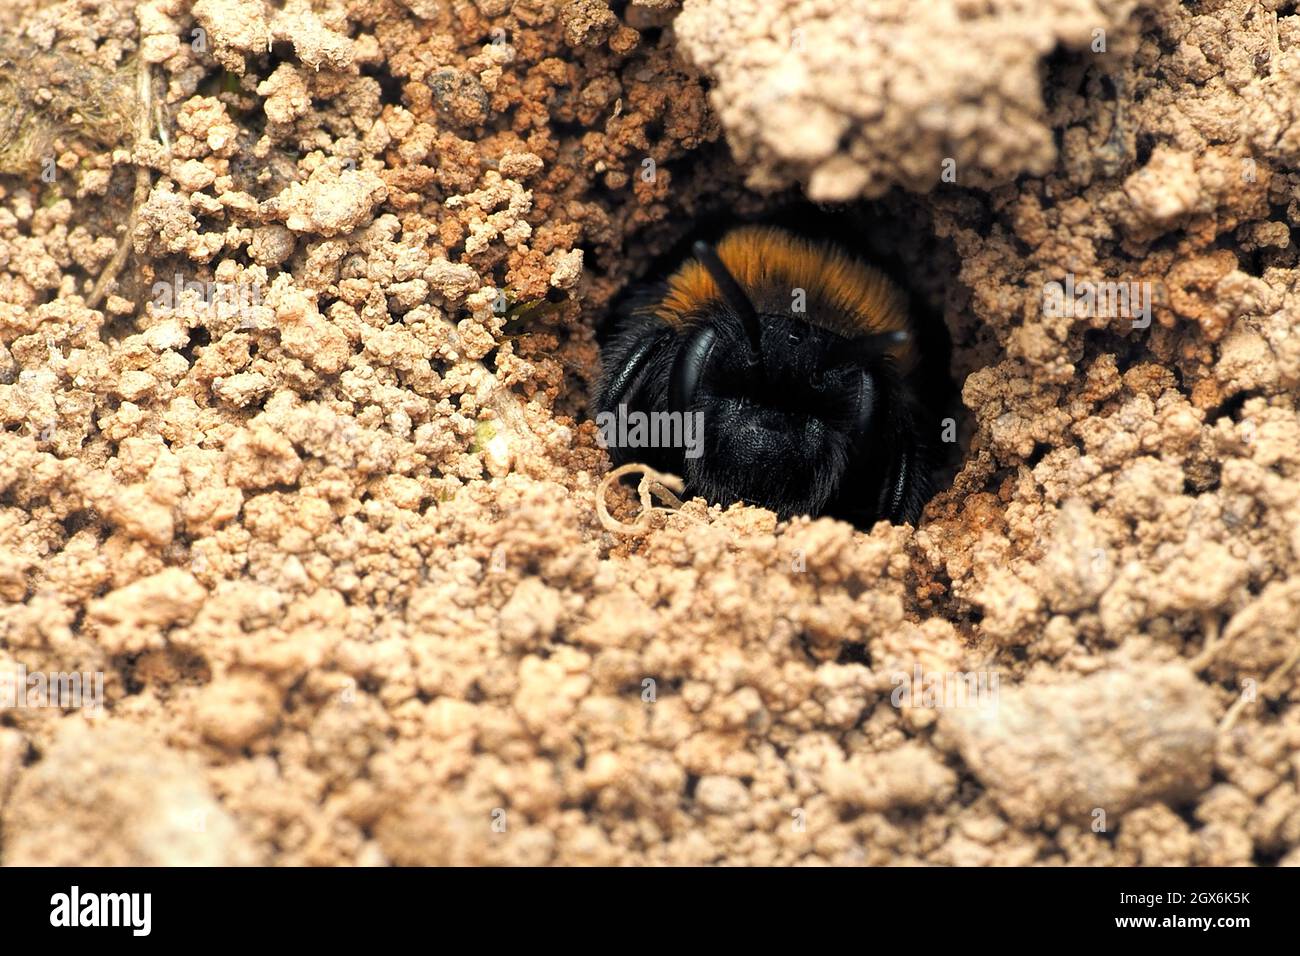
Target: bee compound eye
<point x="688" y="367"/>
<point x="866" y="403"/>
<point x="817" y="379"/>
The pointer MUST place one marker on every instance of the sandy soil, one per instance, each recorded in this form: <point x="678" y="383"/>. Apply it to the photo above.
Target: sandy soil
<point x="326" y="522"/>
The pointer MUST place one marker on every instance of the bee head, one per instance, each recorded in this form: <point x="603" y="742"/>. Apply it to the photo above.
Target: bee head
<point x="786" y="404"/>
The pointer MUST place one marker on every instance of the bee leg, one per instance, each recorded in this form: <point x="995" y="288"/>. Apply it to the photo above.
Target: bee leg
<point x="621" y="381"/>
<point x="906" y="483"/>
<point x="637" y="361"/>
<point x="634" y="363"/>
<point x="891" y="481"/>
<point x="894" y="491"/>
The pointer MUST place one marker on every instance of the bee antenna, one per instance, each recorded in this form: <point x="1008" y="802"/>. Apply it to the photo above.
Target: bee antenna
<point x="733" y="295"/>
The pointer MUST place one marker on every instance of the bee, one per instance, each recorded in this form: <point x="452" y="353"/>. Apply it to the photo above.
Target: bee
<point x="797" y="358"/>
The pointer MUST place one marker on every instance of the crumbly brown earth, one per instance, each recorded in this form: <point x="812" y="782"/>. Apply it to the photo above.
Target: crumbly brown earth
<point x="332" y="540"/>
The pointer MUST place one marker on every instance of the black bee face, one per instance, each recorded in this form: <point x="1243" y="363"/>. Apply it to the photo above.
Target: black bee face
<point x="802" y="411"/>
<point x="779" y="433"/>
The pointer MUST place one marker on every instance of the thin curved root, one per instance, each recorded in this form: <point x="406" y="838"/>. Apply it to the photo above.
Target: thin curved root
<point x="147" y="114"/>
<point x="662" y="486"/>
<point x="1211" y="647"/>
<point x="1272" y="684"/>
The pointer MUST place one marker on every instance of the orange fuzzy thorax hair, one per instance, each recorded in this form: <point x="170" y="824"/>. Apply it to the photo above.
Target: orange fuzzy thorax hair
<point x="843" y="295"/>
